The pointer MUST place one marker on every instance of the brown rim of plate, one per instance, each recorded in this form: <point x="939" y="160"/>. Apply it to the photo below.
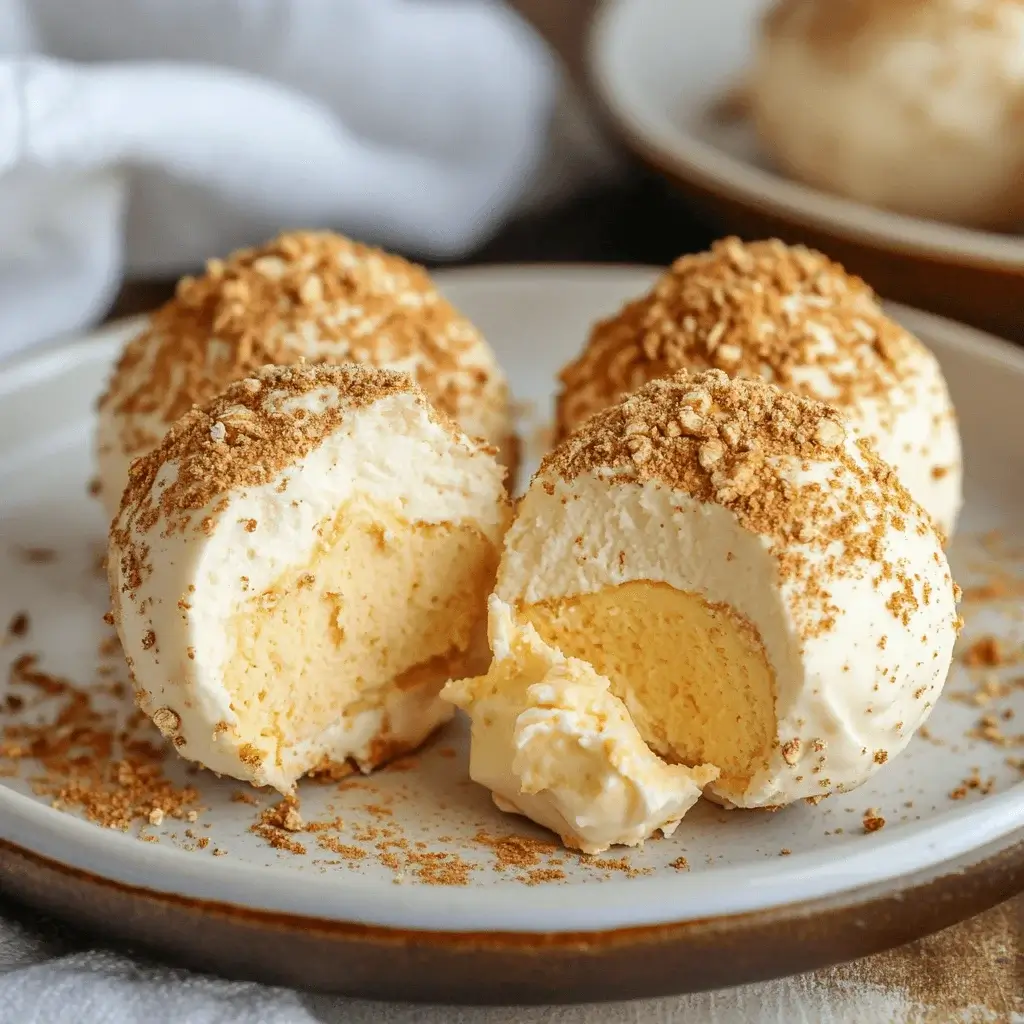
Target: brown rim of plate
<point x="507" y="968"/>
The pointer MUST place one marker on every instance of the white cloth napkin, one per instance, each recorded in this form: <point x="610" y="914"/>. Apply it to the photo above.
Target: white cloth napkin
<point x="48" y="976"/>
<point x="139" y="137"/>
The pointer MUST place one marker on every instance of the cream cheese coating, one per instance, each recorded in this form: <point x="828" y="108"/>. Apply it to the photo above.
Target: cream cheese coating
<point x="226" y="545"/>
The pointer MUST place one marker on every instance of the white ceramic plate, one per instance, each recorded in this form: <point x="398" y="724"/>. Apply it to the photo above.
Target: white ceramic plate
<point x="536" y="318"/>
<point x="662" y="68"/>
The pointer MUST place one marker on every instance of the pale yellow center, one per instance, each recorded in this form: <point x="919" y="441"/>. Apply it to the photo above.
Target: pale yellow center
<point x="382" y="603"/>
<point x="693" y="675"/>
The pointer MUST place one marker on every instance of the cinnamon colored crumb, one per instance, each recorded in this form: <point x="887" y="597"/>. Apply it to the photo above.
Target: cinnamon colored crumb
<point x="515" y="851"/>
<point x="439" y="868"/>
<point x="277" y="838"/>
<point x="19" y="625"/>
<point x="973" y="783"/>
<point x="36" y="556"/>
<point x="986" y="651"/>
<point x="989" y="729"/>
<point x="872" y="821"/>
<point x="334" y="825"/>
<point x="276" y="823"/>
<point x="346" y="850"/>
<point x="618" y="864"/>
<point x="91" y="762"/>
<point x="284" y="814"/>
<point x="539" y="876"/>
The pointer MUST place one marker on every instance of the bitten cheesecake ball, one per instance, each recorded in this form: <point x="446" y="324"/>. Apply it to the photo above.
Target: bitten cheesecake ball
<point x="765" y="601"/>
<point x="314" y="296"/>
<point x="790" y="316"/>
<point x="298" y="568"/>
<point x="912" y="105"/>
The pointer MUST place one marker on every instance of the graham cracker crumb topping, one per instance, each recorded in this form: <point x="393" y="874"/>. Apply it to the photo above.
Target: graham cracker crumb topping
<point x="785" y="314"/>
<point x="313" y="295"/>
<point x="741" y="444"/>
<point x="263" y="426"/>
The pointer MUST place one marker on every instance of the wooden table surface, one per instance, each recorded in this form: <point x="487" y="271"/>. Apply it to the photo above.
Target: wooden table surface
<point x="979" y="964"/>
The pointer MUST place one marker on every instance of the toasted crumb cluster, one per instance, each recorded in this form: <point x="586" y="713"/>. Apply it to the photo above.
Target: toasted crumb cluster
<point x="248" y="435"/>
<point x="785" y="314"/>
<point x="740" y="443"/>
<point x="313" y="295"/>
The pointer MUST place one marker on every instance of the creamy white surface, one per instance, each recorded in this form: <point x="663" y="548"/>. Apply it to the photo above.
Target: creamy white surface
<point x="925" y="122"/>
<point x="559" y="747"/>
<point x="118" y="433"/>
<point x="912" y="425"/>
<point x="916" y="432"/>
<point x="825" y="684"/>
<point x="390" y="453"/>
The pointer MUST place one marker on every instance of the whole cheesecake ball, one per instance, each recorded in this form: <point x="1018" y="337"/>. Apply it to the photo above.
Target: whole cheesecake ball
<point x="313" y="296"/>
<point x="790" y="316"/>
<point x="912" y="105"/>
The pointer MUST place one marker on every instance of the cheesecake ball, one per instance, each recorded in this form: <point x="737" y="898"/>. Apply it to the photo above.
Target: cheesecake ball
<point x="765" y="601"/>
<point x="313" y="296"/>
<point x="916" y="106"/>
<point x="790" y="316"/>
<point x="300" y="565"/>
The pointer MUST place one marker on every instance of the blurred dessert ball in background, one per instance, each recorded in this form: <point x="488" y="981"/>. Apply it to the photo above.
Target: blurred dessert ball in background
<point x="916" y="106"/>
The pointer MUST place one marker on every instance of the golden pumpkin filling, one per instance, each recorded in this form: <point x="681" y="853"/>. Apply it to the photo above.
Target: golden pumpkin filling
<point x="693" y="675"/>
<point x="382" y="605"/>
